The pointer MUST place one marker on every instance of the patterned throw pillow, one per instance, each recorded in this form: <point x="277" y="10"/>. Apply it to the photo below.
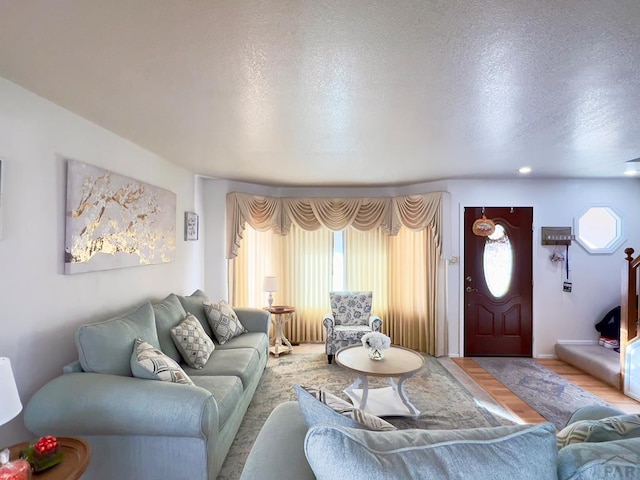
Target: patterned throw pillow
<point x="223" y="320"/>
<point x="194" y="344"/>
<point x="607" y="429"/>
<point x="319" y="406"/>
<point x="150" y="363"/>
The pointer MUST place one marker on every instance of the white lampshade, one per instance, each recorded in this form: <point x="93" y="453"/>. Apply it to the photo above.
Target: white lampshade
<point x="270" y="284"/>
<point x="10" y="405"/>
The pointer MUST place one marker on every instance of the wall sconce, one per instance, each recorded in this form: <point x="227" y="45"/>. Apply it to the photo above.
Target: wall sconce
<point x="270" y="285"/>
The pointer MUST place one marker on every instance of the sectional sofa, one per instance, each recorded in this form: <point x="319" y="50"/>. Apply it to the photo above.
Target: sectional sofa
<point x="140" y="428"/>
<point x="602" y="443"/>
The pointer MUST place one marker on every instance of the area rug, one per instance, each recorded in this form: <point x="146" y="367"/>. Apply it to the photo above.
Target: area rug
<point x="549" y="394"/>
<point x="444" y="402"/>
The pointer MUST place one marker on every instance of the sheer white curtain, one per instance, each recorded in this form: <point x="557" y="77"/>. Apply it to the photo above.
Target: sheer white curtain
<point x="302" y="263"/>
<point x="260" y="255"/>
<point x="413" y="290"/>
<point x="366" y="259"/>
<point x="400" y="270"/>
<point x="307" y="268"/>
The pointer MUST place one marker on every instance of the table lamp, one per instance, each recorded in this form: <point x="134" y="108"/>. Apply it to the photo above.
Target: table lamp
<point x="270" y="285"/>
<point x="10" y="405"/>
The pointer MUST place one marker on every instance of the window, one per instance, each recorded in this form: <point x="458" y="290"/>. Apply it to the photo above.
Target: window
<point x="498" y="262"/>
<point x="401" y="270"/>
<point x="599" y="229"/>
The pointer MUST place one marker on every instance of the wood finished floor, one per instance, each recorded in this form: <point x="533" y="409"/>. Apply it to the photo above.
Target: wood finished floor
<point x="517" y="406"/>
<point x="513" y="403"/>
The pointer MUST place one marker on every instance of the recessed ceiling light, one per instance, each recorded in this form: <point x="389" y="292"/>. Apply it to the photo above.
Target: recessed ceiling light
<point x="524" y="170"/>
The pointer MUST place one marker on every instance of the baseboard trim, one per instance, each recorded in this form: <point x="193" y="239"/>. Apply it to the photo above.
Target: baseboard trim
<point x="546" y="355"/>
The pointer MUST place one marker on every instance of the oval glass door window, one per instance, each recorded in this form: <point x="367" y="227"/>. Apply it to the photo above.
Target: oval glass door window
<point x="498" y="262"/>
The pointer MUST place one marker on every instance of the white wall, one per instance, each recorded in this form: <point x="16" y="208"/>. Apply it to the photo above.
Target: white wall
<point x="556" y="315"/>
<point x="214" y="213"/>
<point x="596" y="278"/>
<point x="40" y="307"/>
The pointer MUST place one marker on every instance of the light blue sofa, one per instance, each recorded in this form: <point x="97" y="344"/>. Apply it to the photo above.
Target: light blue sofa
<point x="287" y="448"/>
<point x="146" y="429"/>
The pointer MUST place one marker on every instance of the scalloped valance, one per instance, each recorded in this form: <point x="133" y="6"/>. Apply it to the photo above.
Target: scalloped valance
<point x="415" y="212"/>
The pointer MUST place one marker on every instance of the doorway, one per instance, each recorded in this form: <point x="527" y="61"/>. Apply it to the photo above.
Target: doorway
<point x="498" y="283"/>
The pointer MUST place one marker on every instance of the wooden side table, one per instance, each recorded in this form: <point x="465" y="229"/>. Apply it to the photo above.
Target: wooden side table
<point x="76" y="459"/>
<point x="279" y="317"/>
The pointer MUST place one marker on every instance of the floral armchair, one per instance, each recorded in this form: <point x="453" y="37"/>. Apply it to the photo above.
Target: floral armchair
<point x="349" y="320"/>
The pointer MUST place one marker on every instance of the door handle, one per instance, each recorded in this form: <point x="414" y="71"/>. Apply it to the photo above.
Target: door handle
<point x="469" y="289"/>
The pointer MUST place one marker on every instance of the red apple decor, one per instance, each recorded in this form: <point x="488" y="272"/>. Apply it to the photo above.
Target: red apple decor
<point x="43" y="454"/>
<point x="46" y="446"/>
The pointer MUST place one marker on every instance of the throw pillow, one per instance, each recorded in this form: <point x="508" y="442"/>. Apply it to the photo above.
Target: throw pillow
<point x="319" y="406"/>
<point x="105" y="347"/>
<point x="194" y="304"/>
<point x="611" y="428"/>
<point x="525" y="452"/>
<point x="600" y="461"/>
<point x="150" y="363"/>
<point x="168" y="313"/>
<point x="223" y="321"/>
<point x="192" y="342"/>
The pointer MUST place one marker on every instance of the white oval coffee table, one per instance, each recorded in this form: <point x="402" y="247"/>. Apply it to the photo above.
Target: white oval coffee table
<point x="399" y="363"/>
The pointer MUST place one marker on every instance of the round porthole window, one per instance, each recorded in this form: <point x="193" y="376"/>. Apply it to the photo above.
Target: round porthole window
<point x="599" y="229"/>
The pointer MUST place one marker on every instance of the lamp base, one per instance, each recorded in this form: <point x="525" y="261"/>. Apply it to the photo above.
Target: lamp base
<point x="270" y="299"/>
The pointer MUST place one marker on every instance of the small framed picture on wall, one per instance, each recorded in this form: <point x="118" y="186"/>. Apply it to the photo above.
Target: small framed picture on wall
<point x="191" y="226"/>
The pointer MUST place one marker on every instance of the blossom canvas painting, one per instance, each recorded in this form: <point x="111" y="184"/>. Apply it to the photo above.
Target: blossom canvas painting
<point x="113" y="221"/>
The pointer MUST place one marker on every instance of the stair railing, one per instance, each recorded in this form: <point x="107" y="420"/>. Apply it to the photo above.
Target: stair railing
<point x="629" y="314"/>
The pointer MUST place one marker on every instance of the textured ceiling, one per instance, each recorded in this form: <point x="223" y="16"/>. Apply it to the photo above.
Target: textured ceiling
<point x="338" y="92"/>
